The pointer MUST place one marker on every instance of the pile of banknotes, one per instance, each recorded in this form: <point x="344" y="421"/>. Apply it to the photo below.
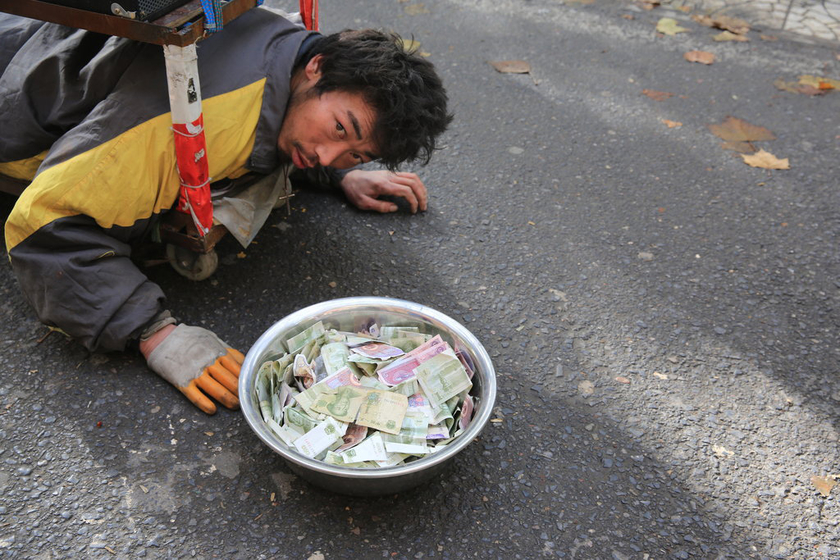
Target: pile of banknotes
<point x="376" y="397"/>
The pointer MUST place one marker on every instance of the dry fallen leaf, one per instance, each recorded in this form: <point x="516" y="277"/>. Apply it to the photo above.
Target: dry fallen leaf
<point x="726" y="23"/>
<point x="729" y="36"/>
<point x="649" y="4"/>
<point x="658" y="375"/>
<point x="672" y="124"/>
<point x="790" y="87"/>
<point x="622" y="379"/>
<point x="733" y="24"/>
<point x="511" y="66"/>
<point x="739" y="135"/>
<point x="657" y="95"/>
<point x="702" y="57"/>
<point x="795" y="87"/>
<point x="769" y="38"/>
<point x="734" y="129"/>
<point x="824" y="484"/>
<point x="669" y="26"/>
<point x="241" y="255"/>
<point x="766" y="160"/>
<point x="819" y="82"/>
<point x="703" y="20"/>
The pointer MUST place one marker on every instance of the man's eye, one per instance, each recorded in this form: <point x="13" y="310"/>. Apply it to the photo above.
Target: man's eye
<point x="357" y="157"/>
<point x="339" y="128"/>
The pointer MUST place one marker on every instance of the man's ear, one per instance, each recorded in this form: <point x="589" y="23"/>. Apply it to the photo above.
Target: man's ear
<point x="313" y="67"/>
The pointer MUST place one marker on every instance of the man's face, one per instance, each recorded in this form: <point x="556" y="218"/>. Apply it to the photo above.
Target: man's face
<point x="333" y="129"/>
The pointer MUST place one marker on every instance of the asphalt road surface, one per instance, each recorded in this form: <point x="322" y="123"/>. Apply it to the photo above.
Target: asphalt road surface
<point x="662" y="317"/>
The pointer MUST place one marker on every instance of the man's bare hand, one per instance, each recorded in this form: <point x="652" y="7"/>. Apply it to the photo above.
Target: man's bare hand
<point x="363" y="189"/>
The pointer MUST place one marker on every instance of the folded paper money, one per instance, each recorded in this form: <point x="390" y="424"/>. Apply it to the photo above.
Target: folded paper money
<point x="375" y="398"/>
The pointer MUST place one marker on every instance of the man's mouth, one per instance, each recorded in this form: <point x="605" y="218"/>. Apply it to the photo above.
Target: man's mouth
<point x="299" y="160"/>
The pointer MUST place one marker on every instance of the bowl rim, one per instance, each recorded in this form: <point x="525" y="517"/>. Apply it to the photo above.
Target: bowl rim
<point x="253" y="416"/>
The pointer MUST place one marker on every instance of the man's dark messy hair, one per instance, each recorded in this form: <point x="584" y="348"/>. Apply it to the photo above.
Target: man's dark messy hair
<point x="402" y="87"/>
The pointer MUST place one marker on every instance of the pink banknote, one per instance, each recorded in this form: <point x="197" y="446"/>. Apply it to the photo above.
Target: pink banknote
<point x="403" y="369"/>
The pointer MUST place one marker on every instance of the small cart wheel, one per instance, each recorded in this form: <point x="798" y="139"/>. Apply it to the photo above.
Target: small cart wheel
<point x="192" y="265"/>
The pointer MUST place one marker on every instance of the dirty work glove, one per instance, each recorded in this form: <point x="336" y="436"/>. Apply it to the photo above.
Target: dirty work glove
<point x="195" y="360"/>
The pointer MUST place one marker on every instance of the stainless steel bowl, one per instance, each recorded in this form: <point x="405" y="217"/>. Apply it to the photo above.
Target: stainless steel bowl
<point x="345" y="312"/>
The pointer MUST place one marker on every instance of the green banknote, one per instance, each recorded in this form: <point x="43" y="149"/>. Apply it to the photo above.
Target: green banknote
<point x="383" y="410"/>
<point x="442" y="377"/>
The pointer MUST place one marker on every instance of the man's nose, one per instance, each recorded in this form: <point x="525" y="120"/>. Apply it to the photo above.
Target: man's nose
<point x="328" y="154"/>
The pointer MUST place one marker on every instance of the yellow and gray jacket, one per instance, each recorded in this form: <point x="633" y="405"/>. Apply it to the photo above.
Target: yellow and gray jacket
<point x="85" y="117"/>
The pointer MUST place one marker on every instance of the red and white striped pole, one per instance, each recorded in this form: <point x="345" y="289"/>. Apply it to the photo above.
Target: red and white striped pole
<point x="309" y="14"/>
<point x="188" y="126"/>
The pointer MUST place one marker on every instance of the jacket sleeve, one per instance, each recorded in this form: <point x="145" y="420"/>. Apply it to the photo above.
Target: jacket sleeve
<point x="81" y="279"/>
